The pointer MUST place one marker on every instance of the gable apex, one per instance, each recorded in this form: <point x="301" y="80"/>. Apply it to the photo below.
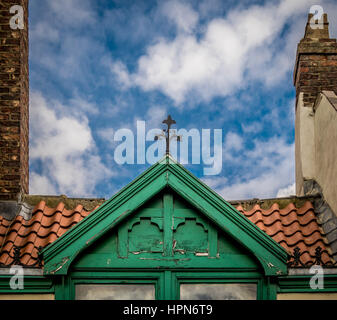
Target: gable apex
<point x="166" y="173"/>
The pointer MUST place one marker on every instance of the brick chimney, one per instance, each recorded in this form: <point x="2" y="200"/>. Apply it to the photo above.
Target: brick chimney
<point x="14" y="99"/>
<point x="316" y="62"/>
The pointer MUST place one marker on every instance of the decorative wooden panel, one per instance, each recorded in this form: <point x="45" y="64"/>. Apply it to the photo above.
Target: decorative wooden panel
<point x="167" y="232"/>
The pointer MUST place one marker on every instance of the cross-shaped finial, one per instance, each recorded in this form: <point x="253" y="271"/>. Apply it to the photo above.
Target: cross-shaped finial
<point x="169" y="121"/>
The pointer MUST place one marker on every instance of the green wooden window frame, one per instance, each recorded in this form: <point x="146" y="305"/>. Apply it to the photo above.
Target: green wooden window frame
<point x="264" y="291"/>
<point x="166" y="282"/>
<point x="65" y="289"/>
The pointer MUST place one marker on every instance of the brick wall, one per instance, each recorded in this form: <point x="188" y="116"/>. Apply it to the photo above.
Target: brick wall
<point x="316" y="63"/>
<point x="14" y="104"/>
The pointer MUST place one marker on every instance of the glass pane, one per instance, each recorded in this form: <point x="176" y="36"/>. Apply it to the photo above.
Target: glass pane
<point x="218" y="291"/>
<point x="115" y="292"/>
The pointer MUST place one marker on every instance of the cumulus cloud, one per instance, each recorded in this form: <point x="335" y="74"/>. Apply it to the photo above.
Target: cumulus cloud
<point x="121" y="73"/>
<point x="153" y="119"/>
<point x="39" y="184"/>
<point x="213" y="51"/>
<point x="287" y="191"/>
<point x="65" y="149"/>
<point x="233" y="143"/>
<point x="219" y="61"/>
<point x="253" y="127"/>
<point x="107" y="134"/>
<point x="82" y="105"/>
<point x="181" y="14"/>
<point x="73" y="12"/>
<point x="268" y="167"/>
<point x="154" y="116"/>
<point x="59" y="45"/>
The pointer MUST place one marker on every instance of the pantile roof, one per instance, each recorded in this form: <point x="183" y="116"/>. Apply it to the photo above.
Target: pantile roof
<point x="291" y="227"/>
<point x="46" y="225"/>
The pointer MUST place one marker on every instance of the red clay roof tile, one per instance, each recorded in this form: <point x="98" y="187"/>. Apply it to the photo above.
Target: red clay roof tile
<point x="292" y="227"/>
<point x="45" y="226"/>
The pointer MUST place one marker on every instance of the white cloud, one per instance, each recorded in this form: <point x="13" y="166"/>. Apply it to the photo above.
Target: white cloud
<point x="53" y="136"/>
<point x="267" y="168"/>
<point x="121" y="73"/>
<point x="254" y="127"/>
<point x="107" y="134"/>
<point x="233" y="142"/>
<point x="287" y="191"/>
<point x="265" y="185"/>
<point x="72" y="12"/>
<point x="154" y="117"/>
<point x="60" y="46"/>
<point x="215" y="181"/>
<point x="215" y="63"/>
<point x="44" y="32"/>
<point x="65" y="147"/>
<point x="39" y="184"/>
<point x="81" y="105"/>
<point x="183" y="16"/>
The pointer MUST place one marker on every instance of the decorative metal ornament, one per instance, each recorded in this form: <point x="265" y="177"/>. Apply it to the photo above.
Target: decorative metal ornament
<point x="318" y="256"/>
<point x="16" y="260"/>
<point x="39" y="256"/>
<point x="166" y="134"/>
<point x="295" y="259"/>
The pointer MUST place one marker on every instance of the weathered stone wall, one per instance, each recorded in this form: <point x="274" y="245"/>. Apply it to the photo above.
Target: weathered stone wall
<point x="326" y="146"/>
<point x="316" y="147"/>
<point x="14" y="101"/>
<point x="304" y="145"/>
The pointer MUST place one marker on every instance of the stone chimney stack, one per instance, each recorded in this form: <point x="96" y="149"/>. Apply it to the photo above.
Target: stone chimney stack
<point x="14" y="99"/>
<point x="316" y="62"/>
<point x="315" y="79"/>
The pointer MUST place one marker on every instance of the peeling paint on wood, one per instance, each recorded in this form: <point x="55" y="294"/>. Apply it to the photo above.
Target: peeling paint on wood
<point x="201" y="254"/>
<point x="64" y="261"/>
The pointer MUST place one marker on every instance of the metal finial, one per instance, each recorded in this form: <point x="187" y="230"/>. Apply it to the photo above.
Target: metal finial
<point x="17" y="253"/>
<point x="40" y="256"/>
<point x="166" y="133"/>
<point x="169" y="121"/>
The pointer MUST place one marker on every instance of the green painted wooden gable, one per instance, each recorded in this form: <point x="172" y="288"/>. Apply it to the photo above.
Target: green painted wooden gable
<point x="166" y="232"/>
<point x="165" y="219"/>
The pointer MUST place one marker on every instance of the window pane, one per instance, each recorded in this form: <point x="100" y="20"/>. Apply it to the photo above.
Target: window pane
<point x="115" y="292"/>
<point x="218" y="291"/>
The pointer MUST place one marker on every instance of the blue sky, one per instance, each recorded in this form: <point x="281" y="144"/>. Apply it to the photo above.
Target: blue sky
<point x="99" y="66"/>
